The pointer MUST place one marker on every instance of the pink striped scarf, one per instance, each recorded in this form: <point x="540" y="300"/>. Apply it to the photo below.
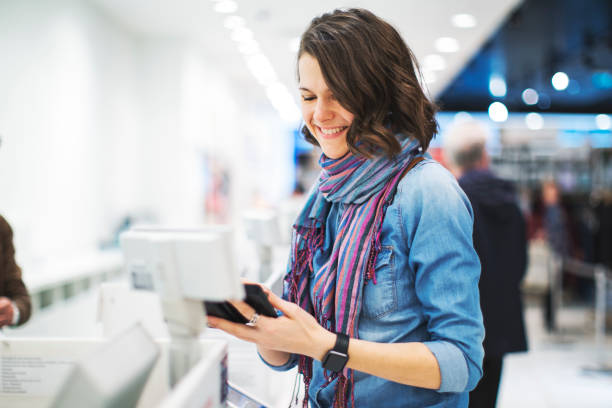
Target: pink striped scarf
<point x="366" y="188"/>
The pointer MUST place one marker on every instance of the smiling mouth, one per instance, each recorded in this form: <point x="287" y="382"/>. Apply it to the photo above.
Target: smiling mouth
<point x="332" y="132"/>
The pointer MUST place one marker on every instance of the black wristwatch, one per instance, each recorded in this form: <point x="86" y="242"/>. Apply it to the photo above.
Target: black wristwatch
<point x="336" y="358"/>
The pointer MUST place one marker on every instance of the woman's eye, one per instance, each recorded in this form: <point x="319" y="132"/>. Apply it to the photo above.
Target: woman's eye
<point x="308" y="98"/>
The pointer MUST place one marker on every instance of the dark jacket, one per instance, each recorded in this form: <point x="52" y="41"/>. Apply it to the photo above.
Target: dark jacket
<point x="11" y="284"/>
<point x="501" y="243"/>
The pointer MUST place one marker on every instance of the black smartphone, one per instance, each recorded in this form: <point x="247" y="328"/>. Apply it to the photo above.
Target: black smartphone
<point x="255" y="297"/>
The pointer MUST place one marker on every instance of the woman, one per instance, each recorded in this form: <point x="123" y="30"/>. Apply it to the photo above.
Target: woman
<point x="382" y="255"/>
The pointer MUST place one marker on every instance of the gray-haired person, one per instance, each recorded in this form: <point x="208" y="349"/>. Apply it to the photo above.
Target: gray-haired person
<point x="501" y="243"/>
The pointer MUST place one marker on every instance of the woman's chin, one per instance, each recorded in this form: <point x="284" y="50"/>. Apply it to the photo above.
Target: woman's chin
<point x="335" y="153"/>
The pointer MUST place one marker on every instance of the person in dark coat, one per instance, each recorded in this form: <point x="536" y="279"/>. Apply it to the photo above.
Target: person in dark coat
<point x="500" y="239"/>
<point x="15" y="305"/>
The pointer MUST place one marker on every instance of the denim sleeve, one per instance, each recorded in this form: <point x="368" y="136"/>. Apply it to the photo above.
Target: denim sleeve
<point x="438" y="222"/>
<point x="292" y="362"/>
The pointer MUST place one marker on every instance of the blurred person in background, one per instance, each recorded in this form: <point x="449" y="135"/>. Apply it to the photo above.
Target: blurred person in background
<point x="555" y="232"/>
<point x="15" y="303"/>
<point x="381" y="304"/>
<point x="555" y="222"/>
<point x="500" y="239"/>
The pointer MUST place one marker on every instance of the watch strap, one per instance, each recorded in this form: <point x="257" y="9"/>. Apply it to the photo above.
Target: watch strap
<point x="342" y="343"/>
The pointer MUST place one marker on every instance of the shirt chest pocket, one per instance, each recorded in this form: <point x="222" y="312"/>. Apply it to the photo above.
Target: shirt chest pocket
<point x="380" y="299"/>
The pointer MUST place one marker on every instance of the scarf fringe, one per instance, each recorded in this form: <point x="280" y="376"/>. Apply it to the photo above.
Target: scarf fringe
<point x="305" y="368"/>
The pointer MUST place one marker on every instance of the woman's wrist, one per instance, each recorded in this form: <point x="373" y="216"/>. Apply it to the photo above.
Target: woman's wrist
<point x="322" y="343"/>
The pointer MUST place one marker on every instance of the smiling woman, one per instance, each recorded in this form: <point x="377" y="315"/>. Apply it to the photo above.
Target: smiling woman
<point x="367" y="75"/>
<point x="326" y="119"/>
<point x="380" y="304"/>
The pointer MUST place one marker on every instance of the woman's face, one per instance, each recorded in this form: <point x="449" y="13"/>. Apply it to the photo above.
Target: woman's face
<point x="326" y="119"/>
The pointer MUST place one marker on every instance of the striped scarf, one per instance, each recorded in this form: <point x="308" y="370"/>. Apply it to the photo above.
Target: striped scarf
<point x="366" y="187"/>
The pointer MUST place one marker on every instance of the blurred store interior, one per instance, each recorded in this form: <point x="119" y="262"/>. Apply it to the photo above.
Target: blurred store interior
<point x="115" y="113"/>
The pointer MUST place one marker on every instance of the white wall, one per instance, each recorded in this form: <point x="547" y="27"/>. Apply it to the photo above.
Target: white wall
<point x="98" y="122"/>
<point x="55" y="117"/>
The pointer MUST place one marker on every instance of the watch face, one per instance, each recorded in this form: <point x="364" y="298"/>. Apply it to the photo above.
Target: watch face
<point x="335" y="361"/>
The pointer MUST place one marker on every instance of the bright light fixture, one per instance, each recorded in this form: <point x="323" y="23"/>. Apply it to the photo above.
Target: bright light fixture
<point x="462" y="117"/>
<point x="498" y="112"/>
<point x="530" y="96"/>
<point x="534" y="121"/>
<point x="603" y="121"/>
<point x="233" y="22"/>
<point x="560" y="81"/>
<point x="261" y="68"/>
<point x="497" y="86"/>
<point x="463" y="20"/>
<point x="226" y="6"/>
<point x="259" y="65"/>
<point x="241" y="34"/>
<point x="250" y="47"/>
<point x="447" y="44"/>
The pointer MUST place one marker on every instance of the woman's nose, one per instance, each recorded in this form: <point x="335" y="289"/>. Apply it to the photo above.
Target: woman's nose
<point x="322" y="112"/>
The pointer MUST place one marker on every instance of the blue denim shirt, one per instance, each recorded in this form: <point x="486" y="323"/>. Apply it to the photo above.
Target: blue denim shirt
<point x="427" y="291"/>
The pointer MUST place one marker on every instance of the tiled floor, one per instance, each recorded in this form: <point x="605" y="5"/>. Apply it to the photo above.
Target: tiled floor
<point x="550" y="375"/>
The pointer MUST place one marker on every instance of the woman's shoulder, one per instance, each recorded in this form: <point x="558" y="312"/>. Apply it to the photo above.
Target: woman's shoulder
<point x="428" y="175"/>
<point x="430" y="182"/>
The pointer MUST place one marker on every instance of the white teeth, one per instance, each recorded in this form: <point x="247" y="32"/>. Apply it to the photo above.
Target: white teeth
<point x="331" y="131"/>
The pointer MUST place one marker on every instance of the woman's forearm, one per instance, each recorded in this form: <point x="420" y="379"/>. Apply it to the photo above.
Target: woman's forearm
<point x="273" y="357"/>
<point x="406" y="363"/>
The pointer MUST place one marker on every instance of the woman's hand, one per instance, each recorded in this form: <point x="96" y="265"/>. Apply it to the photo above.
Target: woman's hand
<point x="294" y="332"/>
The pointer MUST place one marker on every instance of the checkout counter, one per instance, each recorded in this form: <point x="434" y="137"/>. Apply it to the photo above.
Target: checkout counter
<point x="174" y="363"/>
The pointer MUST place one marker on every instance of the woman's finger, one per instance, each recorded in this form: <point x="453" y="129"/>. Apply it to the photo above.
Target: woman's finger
<point x="286" y="307"/>
<point x="239" y="330"/>
<point x="244" y="308"/>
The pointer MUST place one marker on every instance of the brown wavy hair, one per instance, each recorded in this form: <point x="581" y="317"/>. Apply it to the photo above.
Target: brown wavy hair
<point x="373" y="74"/>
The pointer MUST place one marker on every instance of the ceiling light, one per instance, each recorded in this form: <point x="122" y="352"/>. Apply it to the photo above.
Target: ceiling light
<point x="497" y="86"/>
<point x="534" y="121"/>
<point x="242" y="34"/>
<point x="498" y="112"/>
<point x="560" y="81"/>
<point x="250" y="47"/>
<point x="226" y="6"/>
<point x="463" y="20"/>
<point x="530" y="96"/>
<point x="233" y="22"/>
<point x="447" y="44"/>
<point x="261" y="68"/>
<point x="462" y="117"/>
<point x="603" y="121"/>
<point x="434" y="62"/>
<point x="259" y="65"/>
